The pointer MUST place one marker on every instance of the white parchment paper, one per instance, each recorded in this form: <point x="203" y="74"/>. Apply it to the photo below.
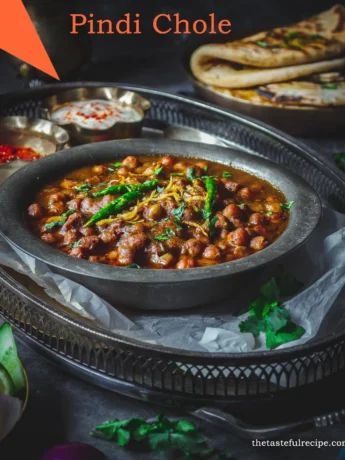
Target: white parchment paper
<point x="319" y="307"/>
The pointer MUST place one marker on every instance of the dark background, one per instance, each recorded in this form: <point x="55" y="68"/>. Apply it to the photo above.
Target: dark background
<point x="117" y="55"/>
<point x="245" y="16"/>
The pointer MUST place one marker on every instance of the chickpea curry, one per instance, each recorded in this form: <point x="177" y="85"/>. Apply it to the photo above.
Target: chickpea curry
<point x="159" y="212"/>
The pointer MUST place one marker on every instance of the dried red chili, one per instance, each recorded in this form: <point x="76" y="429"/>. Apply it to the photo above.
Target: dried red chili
<point x="9" y="153"/>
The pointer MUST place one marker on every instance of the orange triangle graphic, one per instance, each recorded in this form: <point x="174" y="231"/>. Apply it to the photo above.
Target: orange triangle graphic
<point x="18" y="36"/>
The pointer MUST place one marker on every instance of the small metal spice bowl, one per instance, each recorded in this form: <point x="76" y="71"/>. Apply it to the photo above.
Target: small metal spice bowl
<point x="119" y="130"/>
<point x="42" y="136"/>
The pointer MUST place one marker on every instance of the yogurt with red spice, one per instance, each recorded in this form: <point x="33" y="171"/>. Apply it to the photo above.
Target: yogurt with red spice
<point x="95" y="114"/>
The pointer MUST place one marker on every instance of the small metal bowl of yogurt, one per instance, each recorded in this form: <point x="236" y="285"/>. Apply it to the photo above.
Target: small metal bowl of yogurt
<point x="97" y="114"/>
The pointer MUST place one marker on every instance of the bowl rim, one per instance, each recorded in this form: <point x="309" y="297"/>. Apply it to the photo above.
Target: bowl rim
<point x="28" y="122"/>
<point x="304" y="217"/>
<point x="83" y="93"/>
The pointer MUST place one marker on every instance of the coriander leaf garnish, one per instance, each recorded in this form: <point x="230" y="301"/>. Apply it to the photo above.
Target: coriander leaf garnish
<point x="67" y="213"/>
<point x="56" y="223"/>
<point x="161" y="435"/>
<point x="59" y="222"/>
<point x="176" y="174"/>
<point x="116" y="165"/>
<point x="267" y="314"/>
<point x="227" y="174"/>
<point x="132" y="265"/>
<point x="287" y="334"/>
<point x="191" y="174"/>
<point x="205" y="168"/>
<point x="339" y="159"/>
<point x="269" y="213"/>
<point x="84" y="187"/>
<point x="178" y="224"/>
<point x="169" y="232"/>
<point x="241" y="205"/>
<point x="157" y="171"/>
<point x="178" y="212"/>
<point x="76" y="244"/>
<point x="287" y="206"/>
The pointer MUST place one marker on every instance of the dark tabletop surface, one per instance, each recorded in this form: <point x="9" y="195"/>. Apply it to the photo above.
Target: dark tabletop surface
<point x="64" y="409"/>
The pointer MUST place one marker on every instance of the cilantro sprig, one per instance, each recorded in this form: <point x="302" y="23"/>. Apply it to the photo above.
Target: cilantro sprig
<point x="59" y="222"/>
<point x="84" y="187"/>
<point x="287" y="206"/>
<point x="267" y="314"/>
<point x="162" y="435"/>
<point x="169" y="232"/>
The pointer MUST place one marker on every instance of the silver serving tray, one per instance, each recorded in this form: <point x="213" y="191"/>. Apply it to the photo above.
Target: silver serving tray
<point x="164" y="375"/>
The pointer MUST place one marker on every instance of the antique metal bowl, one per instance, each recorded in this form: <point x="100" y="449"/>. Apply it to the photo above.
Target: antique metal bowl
<point x="120" y="130"/>
<point x="41" y="135"/>
<point x="154" y="288"/>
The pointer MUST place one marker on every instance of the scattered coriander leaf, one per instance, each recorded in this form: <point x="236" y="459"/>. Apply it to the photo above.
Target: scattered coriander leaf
<point x="67" y="213"/>
<point x="178" y="224"/>
<point x="161" y="435"/>
<point x="178" y="212"/>
<point x="252" y="324"/>
<point x="241" y="205"/>
<point x="289" y="333"/>
<point x="287" y="206"/>
<point x="132" y="265"/>
<point x="268" y="307"/>
<point x="169" y="232"/>
<point x="276" y="319"/>
<point x="190" y="174"/>
<point x="227" y="174"/>
<point x="269" y="213"/>
<point x="176" y="174"/>
<point x="205" y="168"/>
<point x="56" y="223"/>
<point x="270" y="290"/>
<point x="84" y="187"/>
<point x="74" y="245"/>
<point x="116" y="165"/>
<point x="183" y="426"/>
<point x="157" y="171"/>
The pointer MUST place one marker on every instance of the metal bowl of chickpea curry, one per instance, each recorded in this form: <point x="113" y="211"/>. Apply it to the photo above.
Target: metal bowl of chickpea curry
<point x="157" y="224"/>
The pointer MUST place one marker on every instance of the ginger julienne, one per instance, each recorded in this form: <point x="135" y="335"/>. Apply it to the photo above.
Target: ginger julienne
<point x="162" y="24"/>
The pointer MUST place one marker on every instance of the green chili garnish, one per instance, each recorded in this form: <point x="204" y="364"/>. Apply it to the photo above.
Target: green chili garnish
<point x="114" y="207"/>
<point x="211" y="188"/>
<point x="122" y="188"/>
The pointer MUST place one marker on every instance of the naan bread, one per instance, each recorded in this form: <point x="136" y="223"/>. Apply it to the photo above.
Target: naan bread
<point x="252" y="60"/>
<point x="327" y="90"/>
<point x="225" y="75"/>
<point x="304" y="93"/>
